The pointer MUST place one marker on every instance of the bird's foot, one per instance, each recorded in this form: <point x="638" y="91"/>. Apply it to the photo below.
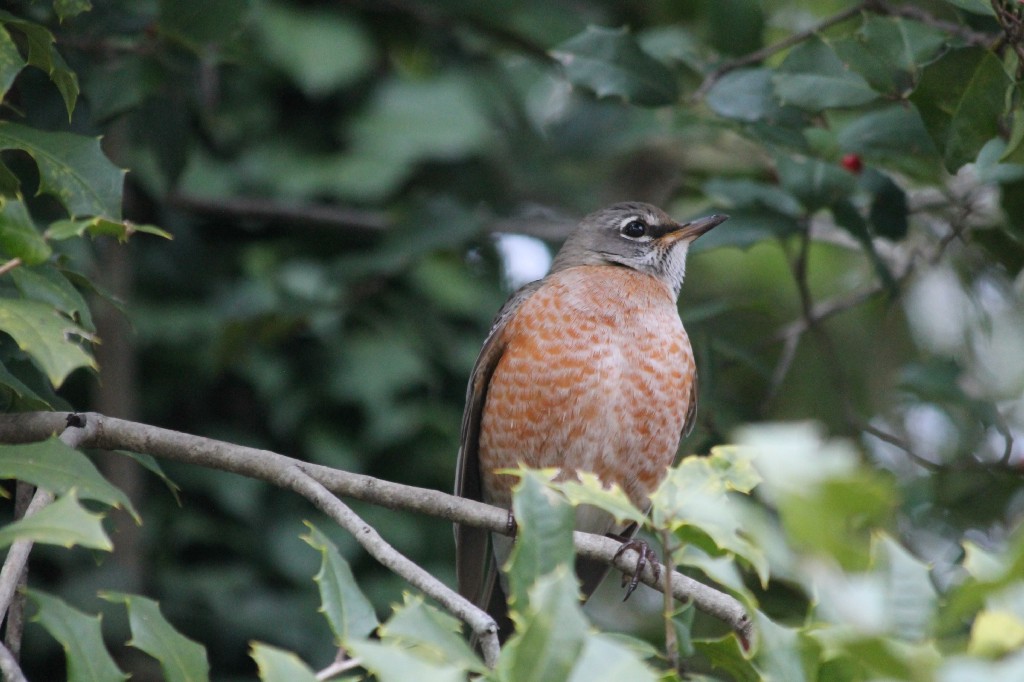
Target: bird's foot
<point x="511" y="526"/>
<point x="645" y="554"/>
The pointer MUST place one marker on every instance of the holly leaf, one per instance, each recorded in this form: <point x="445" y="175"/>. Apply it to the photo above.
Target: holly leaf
<point x="64" y="522"/>
<point x="47" y="337"/>
<point x="694" y="502"/>
<point x="81" y="637"/>
<point x="67" y="9"/>
<point x="26" y="398"/>
<point x="180" y="658"/>
<point x="544" y="538"/>
<point x="391" y="663"/>
<point x="589" y="490"/>
<point x="961" y="99"/>
<point x="431" y="633"/>
<point x="72" y="168"/>
<point x="814" y="78"/>
<point x="611" y="63"/>
<point x="19" y="237"/>
<point x="99" y="226"/>
<point x="889" y="52"/>
<point x="605" y="659"/>
<point x="198" y="23"/>
<point x="550" y="631"/>
<point x="42" y="53"/>
<point x="814" y="182"/>
<point x="48" y="284"/>
<point x="278" y="665"/>
<point x="349" y="612"/>
<point x="893" y="135"/>
<point x="11" y="61"/>
<point x="52" y="465"/>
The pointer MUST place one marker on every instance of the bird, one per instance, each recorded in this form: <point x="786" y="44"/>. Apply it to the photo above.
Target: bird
<point x="588" y="369"/>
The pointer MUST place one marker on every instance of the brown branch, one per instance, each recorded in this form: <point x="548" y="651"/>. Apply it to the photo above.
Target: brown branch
<point x="306" y="215"/>
<point x="290" y="475"/>
<point x="907" y="11"/>
<point x="108" y="433"/>
<point x="1012" y="23"/>
<point x="9" y="265"/>
<point x="537" y="222"/>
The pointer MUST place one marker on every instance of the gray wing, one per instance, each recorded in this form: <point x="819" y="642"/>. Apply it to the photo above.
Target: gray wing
<point x="475" y="565"/>
<point x="691" y="409"/>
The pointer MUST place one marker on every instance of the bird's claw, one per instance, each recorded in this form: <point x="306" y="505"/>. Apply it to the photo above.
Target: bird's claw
<point x="645" y="554"/>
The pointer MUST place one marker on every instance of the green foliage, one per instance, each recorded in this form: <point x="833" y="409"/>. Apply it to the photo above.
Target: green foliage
<point x="46" y="336"/>
<point x="79" y="634"/>
<point x="41" y="53"/>
<point x="544" y="525"/>
<point x="278" y="665"/>
<point x="347" y="609"/>
<point x="59" y="468"/>
<point x="550" y="630"/>
<point x="65" y="522"/>
<point x="333" y="174"/>
<point x="181" y="659"/>
<point x="611" y="64"/>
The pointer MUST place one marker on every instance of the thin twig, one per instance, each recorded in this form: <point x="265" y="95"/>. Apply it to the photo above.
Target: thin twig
<point x="907" y="11"/>
<point x="1012" y="23"/>
<point x="881" y="7"/>
<point x="23" y="494"/>
<point x="108" y="433"/>
<point x="9" y="666"/>
<point x="338" y="667"/>
<point x="291" y="476"/>
<point x="898" y="442"/>
<point x="833" y="365"/>
<point x="308" y="215"/>
<point x="769" y="50"/>
<point x="789" y="346"/>
<point x="9" y="265"/>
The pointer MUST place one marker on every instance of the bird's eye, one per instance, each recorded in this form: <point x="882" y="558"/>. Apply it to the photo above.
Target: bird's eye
<point x="634" y="229"/>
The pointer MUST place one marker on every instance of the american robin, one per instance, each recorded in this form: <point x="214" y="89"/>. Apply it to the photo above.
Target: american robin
<point x="586" y="370"/>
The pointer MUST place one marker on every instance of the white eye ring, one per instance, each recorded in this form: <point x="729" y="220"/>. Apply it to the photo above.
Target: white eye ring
<point x="634" y="228"/>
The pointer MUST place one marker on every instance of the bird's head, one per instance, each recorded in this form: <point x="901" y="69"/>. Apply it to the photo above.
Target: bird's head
<point x="635" y="235"/>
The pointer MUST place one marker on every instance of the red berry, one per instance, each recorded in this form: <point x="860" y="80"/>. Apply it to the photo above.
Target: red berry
<point x="852" y="163"/>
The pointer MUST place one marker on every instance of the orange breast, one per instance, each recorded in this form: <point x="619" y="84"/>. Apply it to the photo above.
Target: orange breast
<point x="595" y="377"/>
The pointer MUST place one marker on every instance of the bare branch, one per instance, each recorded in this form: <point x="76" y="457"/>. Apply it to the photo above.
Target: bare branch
<point x="341" y="665"/>
<point x="289" y="474"/>
<point x="305" y="214"/>
<point x="907" y="11"/>
<point x="9" y="265"/>
<point x="9" y="666"/>
<point x="109" y="433"/>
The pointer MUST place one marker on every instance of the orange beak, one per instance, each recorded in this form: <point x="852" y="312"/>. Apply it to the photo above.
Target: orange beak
<point x="693" y="229"/>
